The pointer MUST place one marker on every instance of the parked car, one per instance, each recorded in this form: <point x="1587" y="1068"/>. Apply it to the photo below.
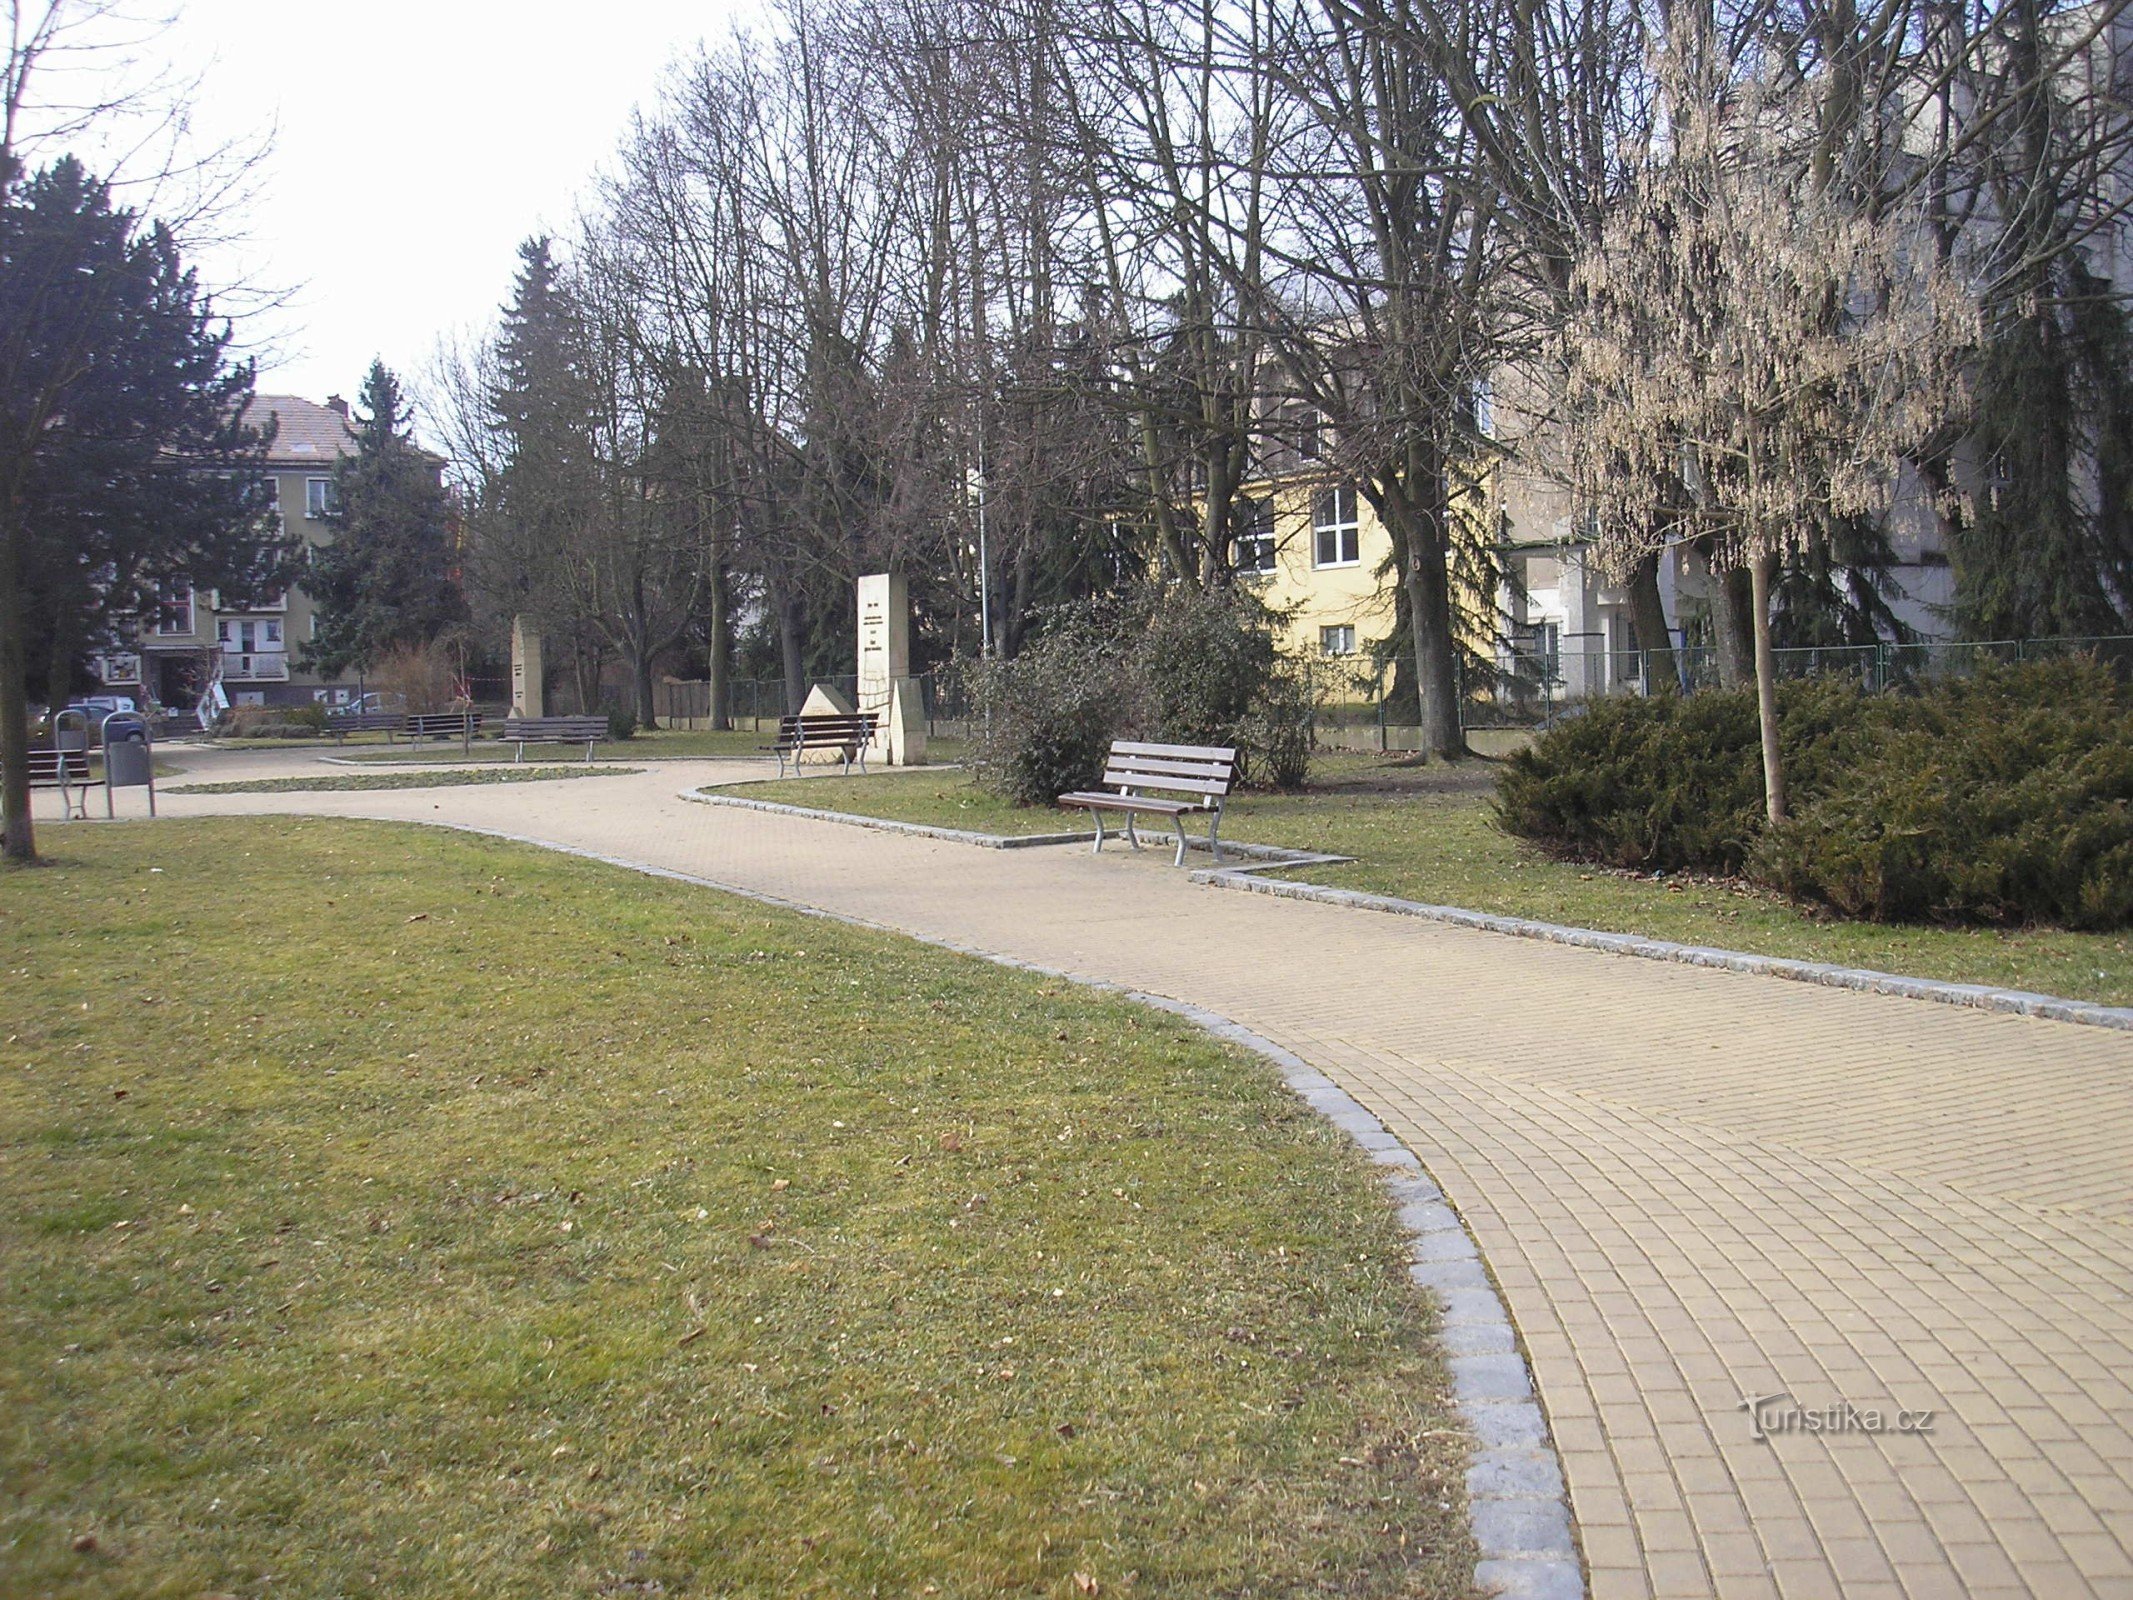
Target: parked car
<point x="100" y="706"/>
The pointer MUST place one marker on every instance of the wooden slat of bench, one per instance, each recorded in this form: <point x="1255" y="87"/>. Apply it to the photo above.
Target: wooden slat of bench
<point x="1134" y="780"/>
<point x="59" y="766"/>
<point x="1181" y="752"/>
<point x="1183" y="769"/>
<point x="571" y="729"/>
<point x="1091" y="800"/>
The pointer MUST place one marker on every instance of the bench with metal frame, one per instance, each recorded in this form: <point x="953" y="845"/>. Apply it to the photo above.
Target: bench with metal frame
<point x="1165" y="780"/>
<point x="523" y="731"/>
<point x="848" y="734"/>
<point x="347" y="722"/>
<point x="64" y="770"/>
<point x="460" y="725"/>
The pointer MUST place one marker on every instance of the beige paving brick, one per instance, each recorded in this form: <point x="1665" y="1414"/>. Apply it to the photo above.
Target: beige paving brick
<point x="1692" y="1185"/>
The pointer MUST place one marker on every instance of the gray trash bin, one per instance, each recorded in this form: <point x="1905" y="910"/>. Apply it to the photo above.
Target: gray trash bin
<point x="129" y="763"/>
<point x="126" y="764"/>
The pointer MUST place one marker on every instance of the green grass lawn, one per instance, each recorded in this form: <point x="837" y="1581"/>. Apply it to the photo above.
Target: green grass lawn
<point x="733" y="744"/>
<point x="1426" y="833"/>
<point x="390" y="1212"/>
<point x="448" y="779"/>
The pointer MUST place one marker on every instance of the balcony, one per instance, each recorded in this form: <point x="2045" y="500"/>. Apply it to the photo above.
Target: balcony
<point x="262" y="667"/>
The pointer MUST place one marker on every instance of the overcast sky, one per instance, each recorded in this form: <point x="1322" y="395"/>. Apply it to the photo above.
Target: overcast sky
<point x="415" y="143"/>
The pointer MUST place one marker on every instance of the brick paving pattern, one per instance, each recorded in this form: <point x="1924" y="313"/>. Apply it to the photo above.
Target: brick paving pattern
<point x="1691" y="1186"/>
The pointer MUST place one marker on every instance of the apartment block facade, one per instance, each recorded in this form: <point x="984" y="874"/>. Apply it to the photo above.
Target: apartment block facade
<point x="192" y="641"/>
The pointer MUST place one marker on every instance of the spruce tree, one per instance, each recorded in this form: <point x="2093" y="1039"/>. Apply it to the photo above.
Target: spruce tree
<point x="124" y="457"/>
<point x="388" y="579"/>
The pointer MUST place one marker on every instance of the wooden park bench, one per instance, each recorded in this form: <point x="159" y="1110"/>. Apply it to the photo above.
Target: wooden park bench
<point x="64" y="770"/>
<point x="523" y="731"/>
<point x="849" y="735"/>
<point x="343" y="724"/>
<point x="1165" y="780"/>
<point x="460" y="725"/>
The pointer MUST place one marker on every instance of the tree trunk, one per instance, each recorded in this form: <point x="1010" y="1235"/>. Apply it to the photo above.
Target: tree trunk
<point x="585" y="673"/>
<point x="647" y="701"/>
<point x="1647" y="613"/>
<point x="1417" y="513"/>
<point x="1761" y="570"/>
<point x="791" y="624"/>
<point x="18" y="840"/>
<point x="719" y="656"/>
<point x="1733" y="627"/>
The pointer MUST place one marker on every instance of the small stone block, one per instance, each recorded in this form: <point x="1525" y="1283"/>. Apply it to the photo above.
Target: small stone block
<point x="1489" y="1378"/>
<point x="1521" y="1528"/>
<point x="1545" y="1579"/>
<point x="1514" y="1475"/>
<point x="1505" y="1424"/>
<point x="1463" y="1276"/>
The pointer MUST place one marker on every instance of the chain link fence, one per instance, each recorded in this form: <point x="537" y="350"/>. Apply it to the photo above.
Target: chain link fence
<point x="1525" y="690"/>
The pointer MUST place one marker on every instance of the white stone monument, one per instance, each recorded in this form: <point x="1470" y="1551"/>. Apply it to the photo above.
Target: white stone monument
<point x="527" y="696"/>
<point x="885" y="681"/>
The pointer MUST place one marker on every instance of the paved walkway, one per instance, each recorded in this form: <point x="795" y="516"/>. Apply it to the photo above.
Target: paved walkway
<point x="1692" y="1186"/>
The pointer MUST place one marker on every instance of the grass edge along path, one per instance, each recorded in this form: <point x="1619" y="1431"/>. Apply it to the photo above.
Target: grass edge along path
<point x="1443" y="848"/>
<point x="551" y="1228"/>
<point x="449" y="778"/>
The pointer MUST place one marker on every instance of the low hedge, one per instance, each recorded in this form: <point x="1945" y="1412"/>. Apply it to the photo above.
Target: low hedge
<point x="2002" y="798"/>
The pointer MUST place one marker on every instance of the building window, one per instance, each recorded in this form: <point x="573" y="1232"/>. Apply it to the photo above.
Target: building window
<point x="174" y="606"/>
<point x="1310" y="434"/>
<point x="1334" y="541"/>
<point x="1337" y="641"/>
<point x="1254" y="543"/>
<point x="319" y="498"/>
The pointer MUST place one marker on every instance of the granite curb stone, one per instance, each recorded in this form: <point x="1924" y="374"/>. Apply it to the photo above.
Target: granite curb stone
<point x="1863" y="980"/>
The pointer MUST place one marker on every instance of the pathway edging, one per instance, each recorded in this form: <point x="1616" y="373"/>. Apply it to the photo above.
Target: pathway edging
<point x="1984" y="997"/>
<point x="1518" y="1508"/>
<point x="1864" y="980"/>
<point x="1264" y="856"/>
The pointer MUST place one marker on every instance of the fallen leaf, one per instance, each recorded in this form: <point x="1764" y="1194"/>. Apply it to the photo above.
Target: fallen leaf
<point x="1085" y="1583"/>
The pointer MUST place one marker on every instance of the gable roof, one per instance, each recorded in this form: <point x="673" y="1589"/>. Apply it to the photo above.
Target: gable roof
<point x="309" y="434"/>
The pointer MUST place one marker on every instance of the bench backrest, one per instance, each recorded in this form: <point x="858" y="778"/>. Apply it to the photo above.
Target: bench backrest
<point x="59" y="766"/>
<point x="569" y="728"/>
<point x="365" y="721"/>
<point x="826" y="728"/>
<point x="1202" y="770"/>
<point x="443" y="721"/>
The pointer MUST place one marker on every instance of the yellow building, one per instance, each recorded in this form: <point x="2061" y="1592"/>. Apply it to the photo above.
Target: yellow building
<point x="1318" y="555"/>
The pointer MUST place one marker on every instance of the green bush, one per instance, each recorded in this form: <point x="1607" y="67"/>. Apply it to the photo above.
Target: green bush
<point x="1672" y="782"/>
<point x="1045" y="717"/>
<point x="2005" y="797"/>
<point x="1175" y="666"/>
<point x="621" y="724"/>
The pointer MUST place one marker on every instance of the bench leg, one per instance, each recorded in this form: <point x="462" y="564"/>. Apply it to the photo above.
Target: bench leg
<point x="588" y="752"/>
<point x="1214" y="836"/>
<point x="1099" y="844"/>
<point x="1179" y="859"/>
<point x="1133" y="836"/>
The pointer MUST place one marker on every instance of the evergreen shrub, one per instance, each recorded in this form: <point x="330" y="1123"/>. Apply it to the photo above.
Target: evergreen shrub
<point x="2006" y="797"/>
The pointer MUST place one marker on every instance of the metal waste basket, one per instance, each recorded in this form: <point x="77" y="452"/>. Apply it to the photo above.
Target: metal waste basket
<point x="129" y="763"/>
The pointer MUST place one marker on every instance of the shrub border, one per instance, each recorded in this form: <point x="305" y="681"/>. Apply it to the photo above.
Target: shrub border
<point x="1863" y="980"/>
<point x="1518" y="1506"/>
